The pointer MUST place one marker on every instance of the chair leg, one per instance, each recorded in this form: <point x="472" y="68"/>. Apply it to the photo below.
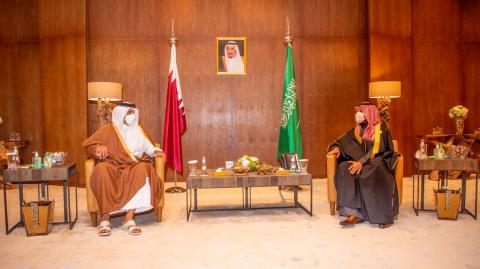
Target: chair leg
<point x="332" y="208"/>
<point x="158" y="213"/>
<point x="93" y="217"/>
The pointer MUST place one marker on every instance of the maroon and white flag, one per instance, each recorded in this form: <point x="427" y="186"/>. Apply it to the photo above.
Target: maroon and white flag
<point x="175" y="122"/>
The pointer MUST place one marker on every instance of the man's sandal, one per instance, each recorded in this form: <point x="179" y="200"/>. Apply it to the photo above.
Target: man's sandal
<point x="104" y="228"/>
<point x="132" y="228"/>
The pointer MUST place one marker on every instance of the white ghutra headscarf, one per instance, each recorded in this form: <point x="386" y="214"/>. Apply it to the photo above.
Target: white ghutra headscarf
<point x="132" y="134"/>
<point x="234" y="64"/>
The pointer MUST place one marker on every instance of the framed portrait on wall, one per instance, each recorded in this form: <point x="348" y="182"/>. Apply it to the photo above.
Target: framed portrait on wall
<point x="231" y="55"/>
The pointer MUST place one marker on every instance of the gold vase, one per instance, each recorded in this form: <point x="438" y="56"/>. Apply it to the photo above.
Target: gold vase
<point x="459" y="124"/>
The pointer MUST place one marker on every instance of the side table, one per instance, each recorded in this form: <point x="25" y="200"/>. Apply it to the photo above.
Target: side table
<point x="42" y="177"/>
<point x="424" y="166"/>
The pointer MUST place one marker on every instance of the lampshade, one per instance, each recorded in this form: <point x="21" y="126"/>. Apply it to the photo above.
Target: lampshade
<point x="110" y="91"/>
<point x="391" y="89"/>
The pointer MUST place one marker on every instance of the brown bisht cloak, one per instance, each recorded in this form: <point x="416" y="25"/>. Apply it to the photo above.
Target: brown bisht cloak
<point x="373" y="192"/>
<point x="121" y="175"/>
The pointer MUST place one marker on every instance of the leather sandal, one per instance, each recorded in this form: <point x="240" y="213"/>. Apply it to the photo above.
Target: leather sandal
<point x="132" y="228"/>
<point x="384" y="225"/>
<point x="104" y="228"/>
<point x="350" y="221"/>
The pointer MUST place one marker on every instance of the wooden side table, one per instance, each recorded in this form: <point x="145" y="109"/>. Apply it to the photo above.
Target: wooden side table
<point x="424" y="166"/>
<point x="42" y="177"/>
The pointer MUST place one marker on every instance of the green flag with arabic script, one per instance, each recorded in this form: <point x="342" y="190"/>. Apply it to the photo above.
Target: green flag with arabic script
<point x="290" y="140"/>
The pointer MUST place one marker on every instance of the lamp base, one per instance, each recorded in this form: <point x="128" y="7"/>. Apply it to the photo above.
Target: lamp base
<point x="175" y="190"/>
<point x="383" y="105"/>
<point x="104" y="111"/>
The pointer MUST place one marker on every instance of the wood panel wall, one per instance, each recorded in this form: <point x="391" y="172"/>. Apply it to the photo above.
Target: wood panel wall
<point x="43" y="77"/>
<point x="470" y="35"/>
<point x="228" y="116"/>
<point x="432" y="47"/>
<point x="20" y="73"/>
<point x="49" y="49"/>
<point x="62" y="32"/>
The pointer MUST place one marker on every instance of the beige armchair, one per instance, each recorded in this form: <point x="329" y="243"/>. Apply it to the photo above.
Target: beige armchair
<point x="332" y="166"/>
<point x="92" y="204"/>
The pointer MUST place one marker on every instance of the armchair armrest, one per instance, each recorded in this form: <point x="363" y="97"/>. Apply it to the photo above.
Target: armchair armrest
<point x="159" y="164"/>
<point x="91" y="200"/>
<point x="331" y="168"/>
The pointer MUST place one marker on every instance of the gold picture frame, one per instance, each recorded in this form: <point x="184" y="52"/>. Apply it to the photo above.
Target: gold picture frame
<point x="235" y="48"/>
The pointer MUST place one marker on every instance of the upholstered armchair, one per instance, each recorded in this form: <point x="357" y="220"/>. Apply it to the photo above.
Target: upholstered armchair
<point x="92" y="204"/>
<point x="332" y="166"/>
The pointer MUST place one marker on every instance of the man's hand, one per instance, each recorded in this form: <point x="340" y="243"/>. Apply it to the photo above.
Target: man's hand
<point x="101" y="152"/>
<point x="355" y="168"/>
<point x="159" y="153"/>
<point x="335" y="151"/>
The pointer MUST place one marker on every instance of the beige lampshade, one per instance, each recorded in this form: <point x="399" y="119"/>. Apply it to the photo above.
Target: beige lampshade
<point x="110" y="91"/>
<point x="391" y="89"/>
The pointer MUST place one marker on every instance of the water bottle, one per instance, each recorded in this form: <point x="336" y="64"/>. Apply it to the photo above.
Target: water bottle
<point x="204" y="165"/>
<point x="423" y="151"/>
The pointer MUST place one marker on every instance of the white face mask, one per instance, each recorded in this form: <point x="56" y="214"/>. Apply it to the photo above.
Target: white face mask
<point x="359" y="117"/>
<point x="129" y="119"/>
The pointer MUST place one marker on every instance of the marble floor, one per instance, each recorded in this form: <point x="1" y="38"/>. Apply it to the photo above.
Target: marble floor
<point x="280" y="238"/>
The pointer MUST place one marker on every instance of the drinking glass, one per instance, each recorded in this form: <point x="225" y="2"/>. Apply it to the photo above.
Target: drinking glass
<point x="303" y="165"/>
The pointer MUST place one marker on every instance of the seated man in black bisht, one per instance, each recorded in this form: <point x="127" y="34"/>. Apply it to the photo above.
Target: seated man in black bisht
<point x="366" y="188"/>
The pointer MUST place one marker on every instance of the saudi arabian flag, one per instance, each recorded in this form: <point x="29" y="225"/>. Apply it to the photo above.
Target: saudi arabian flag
<point x="290" y="140"/>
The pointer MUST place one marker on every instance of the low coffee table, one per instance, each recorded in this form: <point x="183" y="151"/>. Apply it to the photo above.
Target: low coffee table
<point x="246" y="183"/>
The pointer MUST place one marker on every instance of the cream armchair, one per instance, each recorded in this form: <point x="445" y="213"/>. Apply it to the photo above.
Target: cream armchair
<point x="92" y="204"/>
<point x="332" y="167"/>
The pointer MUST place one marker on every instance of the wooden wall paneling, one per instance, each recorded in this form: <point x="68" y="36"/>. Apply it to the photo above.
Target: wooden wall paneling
<point x="437" y="64"/>
<point x="225" y="120"/>
<point x="27" y="20"/>
<point x="257" y="101"/>
<point x="334" y="79"/>
<point x="27" y="76"/>
<point x="27" y="85"/>
<point x="390" y="41"/>
<point x="7" y="68"/>
<point x="435" y="20"/>
<point x="7" y="91"/>
<point x="333" y="18"/>
<point x="263" y="19"/>
<point x="471" y="67"/>
<point x="62" y="31"/>
<point x="195" y="19"/>
<point x="134" y="64"/>
<point x="123" y="19"/>
<point x="470" y="11"/>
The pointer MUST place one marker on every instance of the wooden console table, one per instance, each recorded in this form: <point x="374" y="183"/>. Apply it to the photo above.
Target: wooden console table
<point x="424" y="166"/>
<point x="42" y="177"/>
<point x="246" y="183"/>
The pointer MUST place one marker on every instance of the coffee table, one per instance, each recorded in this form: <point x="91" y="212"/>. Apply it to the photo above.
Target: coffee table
<point x="246" y="183"/>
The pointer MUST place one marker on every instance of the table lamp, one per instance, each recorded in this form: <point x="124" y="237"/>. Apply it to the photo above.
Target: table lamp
<point x="104" y="93"/>
<point x="383" y="91"/>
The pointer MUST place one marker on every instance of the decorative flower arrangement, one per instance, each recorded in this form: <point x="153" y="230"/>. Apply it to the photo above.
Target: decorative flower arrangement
<point x="458" y="112"/>
<point x="249" y="161"/>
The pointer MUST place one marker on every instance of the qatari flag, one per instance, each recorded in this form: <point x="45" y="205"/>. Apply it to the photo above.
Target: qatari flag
<point x="175" y="122"/>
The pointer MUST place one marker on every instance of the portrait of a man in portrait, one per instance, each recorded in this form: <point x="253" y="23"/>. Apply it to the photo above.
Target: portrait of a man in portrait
<point x="231" y="55"/>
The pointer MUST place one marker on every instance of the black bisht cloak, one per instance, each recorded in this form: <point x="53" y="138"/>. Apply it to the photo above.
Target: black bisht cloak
<point x="374" y="191"/>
